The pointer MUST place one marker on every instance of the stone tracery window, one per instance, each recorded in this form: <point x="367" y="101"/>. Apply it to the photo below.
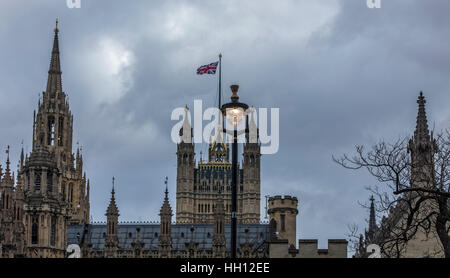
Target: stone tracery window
<point x="37" y="182"/>
<point x="51" y="131"/>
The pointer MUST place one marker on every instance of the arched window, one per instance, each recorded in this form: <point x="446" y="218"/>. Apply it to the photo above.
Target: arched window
<point x="34" y="230"/>
<point x="61" y="131"/>
<point x="53" y="231"/>
<point x="51" y="131"/>
<point x="49" y="182"/>
<point x="70" y="196"/>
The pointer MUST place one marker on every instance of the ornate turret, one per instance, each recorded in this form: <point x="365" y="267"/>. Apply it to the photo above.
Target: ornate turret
<point x="7" y="210"/>
<point x="283" y="210"/>
<point x="370" y="234"/>
<point x="53" y="130"/>
<point x="112" y="210"/>
<point x="7" y="179"/>
<point x="165" y="238"/>
<point x="112" y="221"/>
<point x="422" y="147"/>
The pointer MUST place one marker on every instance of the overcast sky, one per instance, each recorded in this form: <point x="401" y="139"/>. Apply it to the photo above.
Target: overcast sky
<point x="342" y="74"/>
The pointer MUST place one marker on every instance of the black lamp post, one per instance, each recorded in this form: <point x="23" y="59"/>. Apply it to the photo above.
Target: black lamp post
<point x="234" y="112"/>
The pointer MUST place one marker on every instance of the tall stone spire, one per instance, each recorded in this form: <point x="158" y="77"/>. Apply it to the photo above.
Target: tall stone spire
<point x="165" y="239"/>
<point x="112" y="222"/>
<point x="22" y="158"/>
<point x="186" y="129"/>
<point x="7" y="178"/>
<point x="421" y="134"/>
<point x="372" y="221"/>
<point x="54" y="83"/>
<point x="112" y="210"/>
<point x="165" y="208"/>
<point x="7" y="160"/>
<point x="422" y="147"/>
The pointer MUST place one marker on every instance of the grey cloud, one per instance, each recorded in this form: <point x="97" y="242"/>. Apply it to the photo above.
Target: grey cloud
<point x="341" y="74"/>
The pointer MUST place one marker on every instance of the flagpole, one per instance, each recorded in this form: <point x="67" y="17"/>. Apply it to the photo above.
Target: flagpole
<point x="220" y="80"/>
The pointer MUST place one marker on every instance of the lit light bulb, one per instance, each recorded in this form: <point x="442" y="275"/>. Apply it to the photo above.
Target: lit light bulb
<point x="234" y="116"/>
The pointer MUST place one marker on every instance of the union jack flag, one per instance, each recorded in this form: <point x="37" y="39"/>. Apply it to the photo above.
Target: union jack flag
<point x="208" y="69"/>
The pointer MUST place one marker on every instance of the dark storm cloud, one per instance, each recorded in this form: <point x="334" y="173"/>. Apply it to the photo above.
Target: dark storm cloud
<point x="341" y="74"/>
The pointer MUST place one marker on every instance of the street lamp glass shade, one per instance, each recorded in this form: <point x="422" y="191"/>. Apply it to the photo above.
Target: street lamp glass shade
<point x="235" y="115"/>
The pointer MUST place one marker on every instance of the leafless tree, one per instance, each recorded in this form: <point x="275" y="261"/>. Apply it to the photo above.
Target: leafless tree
<point x="413" y="191"/>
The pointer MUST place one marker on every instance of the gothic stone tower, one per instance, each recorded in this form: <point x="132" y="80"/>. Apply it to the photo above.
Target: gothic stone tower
<point x="284" y="213"/>
<point x="185" y="173"/>
<point x="251" y="188"/>
<point x="52" y="129"/>
<point x="55" y="192"/>
<point x="198" y="186"/>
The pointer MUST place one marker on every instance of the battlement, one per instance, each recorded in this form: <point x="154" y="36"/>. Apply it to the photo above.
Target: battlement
<point x="286" y="200"/>
<point x="280" y="203"/>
